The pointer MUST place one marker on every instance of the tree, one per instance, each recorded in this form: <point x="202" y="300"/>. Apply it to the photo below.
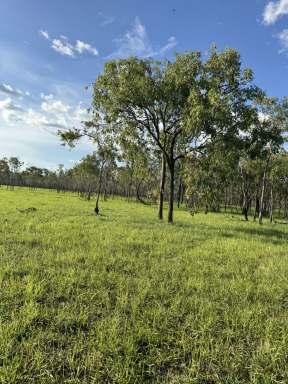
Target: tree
<point x="145" y="99"/>
<point x="176" y="107"/>
<point x="14" y="165"/>
<point x="103" y="158"/>
<point x="4" y="170"/>
<point x="208" y="175"/>
<point x="139" y="163"/>
<point x="106" y="156"/>
<point x="273" y="124"/>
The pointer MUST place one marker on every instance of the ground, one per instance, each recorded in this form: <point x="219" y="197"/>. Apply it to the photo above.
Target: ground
<point x="123" y="298"/>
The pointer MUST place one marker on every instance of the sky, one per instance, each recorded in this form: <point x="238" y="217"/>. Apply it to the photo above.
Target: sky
<point x="51" y="51"/>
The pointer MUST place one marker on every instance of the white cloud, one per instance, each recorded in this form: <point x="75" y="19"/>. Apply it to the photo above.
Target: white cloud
<point x="283" y="37"/>
<point x="9" y="111"/>
<point x="274" y="10"/>
<point x="34" y="118"/>
<point x="8" y="89"/>
<point x="171" y="43"/>
<point x="81" y="47"/>
<point x="45" y="34"/>
<point x="54" y="106"/>
<point x="136" y="43"/>
<point x="49" y="112"/>
<point x="64" y="47"/>
<point x="12" y="113"/>
<point x="8" y="104"/>
<point x="81" y="113"/>
<point x="37" y="143"/>
<point x="31" y="133"/>
<point x="46" y="97"/>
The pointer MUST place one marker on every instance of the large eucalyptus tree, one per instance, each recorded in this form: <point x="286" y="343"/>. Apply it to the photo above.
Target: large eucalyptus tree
<point x="174" y="107"/>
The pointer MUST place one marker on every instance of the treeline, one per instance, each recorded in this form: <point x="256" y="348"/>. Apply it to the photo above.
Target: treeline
<point x="210" y="182"/>
<point x="195" y="131"/>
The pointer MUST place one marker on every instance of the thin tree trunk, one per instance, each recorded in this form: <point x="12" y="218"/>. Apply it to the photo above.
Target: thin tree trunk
<point x="130" y="185"/>
<point x="179" y="193"/>
<point x="245" y="206"/>
<point x="182" y="193"/>
<point x="256" y="203"/>
<point x="263" y="190"/>
<point x="271" y="203"/>
<point x="138" y="197"/>
<point x="162" y="188"/>
<point x="285" y="207"/>
<point x="171" y="191"/>
<point x="96" y="210"/>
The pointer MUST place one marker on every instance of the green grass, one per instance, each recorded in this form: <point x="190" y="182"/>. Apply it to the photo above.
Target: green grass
<point x="123" y="298"/>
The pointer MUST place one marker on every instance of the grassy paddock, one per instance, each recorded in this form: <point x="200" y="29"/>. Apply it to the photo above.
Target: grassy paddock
<point x="122" y="298"/>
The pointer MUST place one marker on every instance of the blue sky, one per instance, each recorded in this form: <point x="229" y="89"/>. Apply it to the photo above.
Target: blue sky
<point x="50" y="50"/>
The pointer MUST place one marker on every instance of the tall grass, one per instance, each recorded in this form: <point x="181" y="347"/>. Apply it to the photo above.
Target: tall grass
<point x="123" y="298"/>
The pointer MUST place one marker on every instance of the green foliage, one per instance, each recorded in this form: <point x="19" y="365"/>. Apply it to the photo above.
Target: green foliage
<point x="207" y="176"/>
<point x="174" y="104"/>
<point x="4" y="167"/>
<point x="14" y="164"/>
<point x="121" y="298"/>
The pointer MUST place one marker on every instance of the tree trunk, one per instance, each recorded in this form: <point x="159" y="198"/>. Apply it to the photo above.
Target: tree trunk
<point x="171" y="191"/>
<point x="285" y="207"/>
<point x="182" y="192"/>
<point x="179" y="193"/>
<point x="263" y="190"/>
<point x="245" y="206"/>
<point x="138" y="197"/>
<point x="162" y="188"/>
<point x="96" y="210"/>
<point x="256" y="213"/>
<point x="245" y="209"/>
<point x="271" y="203"/>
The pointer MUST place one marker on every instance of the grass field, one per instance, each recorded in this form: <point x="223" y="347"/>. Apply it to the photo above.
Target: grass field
<point x="123" y="298"/>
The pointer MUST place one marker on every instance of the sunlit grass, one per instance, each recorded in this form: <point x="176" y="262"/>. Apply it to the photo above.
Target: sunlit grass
<point x="123" y="298"/>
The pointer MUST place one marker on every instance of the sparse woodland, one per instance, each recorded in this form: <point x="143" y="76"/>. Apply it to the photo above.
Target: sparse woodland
<point x="212" y="183"/>
<point x="194" y="132"/>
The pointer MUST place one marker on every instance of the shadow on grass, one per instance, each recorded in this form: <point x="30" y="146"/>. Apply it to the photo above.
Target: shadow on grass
<point x="263" y="233"/>
<point x="269" y="235"/>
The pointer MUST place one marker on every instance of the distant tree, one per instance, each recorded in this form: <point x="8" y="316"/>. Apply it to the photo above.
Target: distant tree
<point x="4" y="171"/>
<point x="14" y="166"/>
<point x="139" y="163"/>
<point x="273" y="125"/>
<point x="106" y="157"/>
